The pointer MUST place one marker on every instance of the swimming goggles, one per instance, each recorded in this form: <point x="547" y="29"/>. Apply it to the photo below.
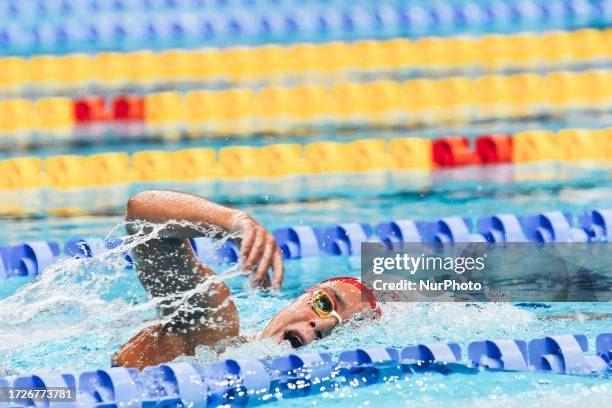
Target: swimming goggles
<point x="323" y="304"/>
<point x="366" y="292"/>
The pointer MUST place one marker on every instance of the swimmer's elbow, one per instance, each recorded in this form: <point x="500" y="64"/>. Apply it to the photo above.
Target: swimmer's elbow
<point x="139" y="205"/>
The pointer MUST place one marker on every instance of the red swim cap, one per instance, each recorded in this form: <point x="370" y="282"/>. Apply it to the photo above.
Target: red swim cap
<point x="365" y="291"/>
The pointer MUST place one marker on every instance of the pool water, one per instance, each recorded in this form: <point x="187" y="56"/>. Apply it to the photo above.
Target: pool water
<point x="78" y="312"/>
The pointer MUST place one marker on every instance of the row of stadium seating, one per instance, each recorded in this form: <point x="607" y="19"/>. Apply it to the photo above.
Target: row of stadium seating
<point x="147" y="70"/>
<point x="279" y="109"/>
<point x="291" y="159"/>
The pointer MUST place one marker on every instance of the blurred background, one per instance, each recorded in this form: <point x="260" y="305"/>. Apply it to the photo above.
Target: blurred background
<point x="310" y="112"/>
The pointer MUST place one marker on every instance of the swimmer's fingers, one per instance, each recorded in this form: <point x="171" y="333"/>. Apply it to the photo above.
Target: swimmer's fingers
<point x="278" y="269"/>
<point x="265" y="260"/>
<point x="248" y="239"/>
<point x="257" y="248"/>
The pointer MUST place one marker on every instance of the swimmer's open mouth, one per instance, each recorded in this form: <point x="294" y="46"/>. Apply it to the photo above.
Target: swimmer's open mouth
<point x="294" y="339"/>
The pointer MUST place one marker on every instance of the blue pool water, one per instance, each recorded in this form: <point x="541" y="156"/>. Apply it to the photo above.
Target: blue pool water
<point x="79" y="312"/>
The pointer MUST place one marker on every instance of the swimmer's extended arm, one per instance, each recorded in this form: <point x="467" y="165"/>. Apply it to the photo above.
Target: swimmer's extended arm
<point x="258" y="247"/>
<point x="168" y="267"/>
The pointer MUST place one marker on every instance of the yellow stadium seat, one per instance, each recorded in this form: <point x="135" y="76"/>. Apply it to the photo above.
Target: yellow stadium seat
<point x="208" y="64"/>
<point x="368" y="155"/>
<point x="588" y="44"/>
<point x="112" y="69"/>
<point x="16" y="115"/>
<point x="579" y="144"/>
<point x="153" y="165"/>
<point x="239" y="62"/>
<point x="163" y="107"/>
<point x="349" y="101"/>
<point x="402" y="52"/>
<point x="337" y="58"/>
<point x="195" y="163"/>
<point x="175" y="65"/>
<point x="44" y="69"/>
<point x="534" y="146"/>
<point x="242" y="162"/>
<point x="144" y="67"/>
<point x="76" y="69"/>
<point x="68" y="172"/>
<point x="411" y="153"/>
<point x="22" y="172"/>
<point x="54" y="113"/>
<point x="328" y="157"/>
<point x="285" y="159"/>
<point x="385" y="102"/>
<point x="369" y="55"/>
<point x="13" y="74"/>
<point x="109" y="168"/>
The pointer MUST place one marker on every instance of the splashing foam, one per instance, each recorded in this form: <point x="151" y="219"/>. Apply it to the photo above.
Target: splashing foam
<point x="79" y="311"/>
<point x="80" y="305"/>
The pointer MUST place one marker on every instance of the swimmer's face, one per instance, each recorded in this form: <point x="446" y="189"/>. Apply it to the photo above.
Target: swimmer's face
<point x="300" y="325"/>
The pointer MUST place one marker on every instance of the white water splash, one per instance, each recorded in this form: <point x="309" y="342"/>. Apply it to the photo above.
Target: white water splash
<point x="78" y="307"/>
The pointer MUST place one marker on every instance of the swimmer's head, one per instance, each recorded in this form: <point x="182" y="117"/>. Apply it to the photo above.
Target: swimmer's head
<point x="314" y="315"/>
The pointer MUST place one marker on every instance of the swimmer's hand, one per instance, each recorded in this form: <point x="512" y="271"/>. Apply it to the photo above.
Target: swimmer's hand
<point x="258" y="251"/>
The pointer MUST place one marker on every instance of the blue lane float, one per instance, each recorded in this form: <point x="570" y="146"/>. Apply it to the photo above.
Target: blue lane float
<point x="507" y="355"/>
<point x="298" y="242"/>
<point x="128" y="25"/>
<point x="399" y="231"/>
<point x="254" y="382"/>
<point x="346" y="239"/>
<point x="502" y="228"/>
<point x="30" y="259"/>
<point x="598" y="225"/>
<point x="603" y="346"/>
<point x="564" y="354"/>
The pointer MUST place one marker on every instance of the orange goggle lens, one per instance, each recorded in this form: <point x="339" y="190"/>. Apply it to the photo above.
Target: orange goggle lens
<point x="322" y="303"/>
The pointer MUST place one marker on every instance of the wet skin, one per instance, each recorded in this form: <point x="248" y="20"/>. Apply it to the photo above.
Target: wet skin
<point x="300" y="325"/>
<point x="167" y="266"/>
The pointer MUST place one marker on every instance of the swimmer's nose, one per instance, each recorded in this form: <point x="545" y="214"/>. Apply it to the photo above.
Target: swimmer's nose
<point x="323" y="327"/>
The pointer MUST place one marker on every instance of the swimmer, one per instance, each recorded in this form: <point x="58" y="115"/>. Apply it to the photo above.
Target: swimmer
<point x="168" y="268"/>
